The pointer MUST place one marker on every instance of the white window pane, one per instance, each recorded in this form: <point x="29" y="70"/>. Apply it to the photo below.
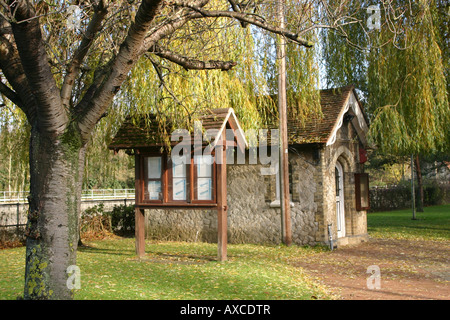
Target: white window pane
<point x="154" y="167"/>
<point x="154" y="190"/>
<point x="204" y="166"/>
<point x="204" y="189"/>
<point x="179" y="170"/>
<point x="204" y="170"/>
<point x="179" y="188"/>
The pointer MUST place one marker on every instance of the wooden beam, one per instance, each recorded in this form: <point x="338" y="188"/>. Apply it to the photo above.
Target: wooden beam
<point x="222" y="208"/>
<point x="140" y="231"/>
<point x="174" y="205"/>
<point x="139" y="213"/>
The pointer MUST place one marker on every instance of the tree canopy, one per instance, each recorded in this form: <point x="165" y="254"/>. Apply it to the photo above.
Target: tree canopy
<point x="403" y="75"/>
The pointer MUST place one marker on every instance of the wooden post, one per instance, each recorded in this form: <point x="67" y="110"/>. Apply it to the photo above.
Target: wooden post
<point x="222" y="201"/>
<point x="18" y="220"/>
<point x="139" y="231"/>
<point x="413" y="191"/>
<point x="139" y="213"/>
<point x="284" y="161"/>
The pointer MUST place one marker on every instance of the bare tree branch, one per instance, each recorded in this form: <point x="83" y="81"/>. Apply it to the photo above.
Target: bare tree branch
<point x="89" y="114"/>
<point x="189" y="63"/>
<point x="164" y="85"/>
<point x="236" y="8"/>
<point x="73" y="70"/>
<point x="172" y="23"/>
<point x="251" y="19"/>
<point x="10" y="94"/>
<point x="12" y="69"/>
<point x="34" y="59"/>
<point x="99" y="76"/>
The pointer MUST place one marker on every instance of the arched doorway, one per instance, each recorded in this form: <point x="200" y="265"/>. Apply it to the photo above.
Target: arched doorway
<point x="340" y="212"/>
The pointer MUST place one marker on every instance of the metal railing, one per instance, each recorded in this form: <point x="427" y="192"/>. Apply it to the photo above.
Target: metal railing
<point x="105" y="194"/>
<point x="14" y="196"/>
<point x="89" y="194"/>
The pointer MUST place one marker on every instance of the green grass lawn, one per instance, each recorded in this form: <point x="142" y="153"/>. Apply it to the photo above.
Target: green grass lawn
<point x="178" y="270"/>
<point x="183" y="270"/>
<point x="432" y="224"/>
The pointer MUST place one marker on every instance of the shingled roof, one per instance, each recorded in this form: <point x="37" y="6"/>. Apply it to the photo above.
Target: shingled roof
<point x="145" y="132"/>
<point x="335" y="104"/>
<point x="320" y="129"/>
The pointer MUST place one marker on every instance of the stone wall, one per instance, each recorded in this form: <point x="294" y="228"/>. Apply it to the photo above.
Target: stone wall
<point x="252" y="217"/>
<point x="13" y="217"/>
<point x="305" y="187"/>
<point x="181" y="224"/>
<point x="346" y="151"/>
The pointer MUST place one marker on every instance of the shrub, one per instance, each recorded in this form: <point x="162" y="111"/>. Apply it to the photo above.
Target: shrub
<point x="122" y="220"/>
<point x="399" y="197"/>
<point x="95" y="223"/>
<point x="98" y="223"/>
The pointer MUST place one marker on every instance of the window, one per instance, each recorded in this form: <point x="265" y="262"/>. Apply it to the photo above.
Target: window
<point x="165" y="182"/>
<point x="178" y="181"/>
<point x="276" y="203"/>
<point x="153" y="182"/>
<point x="362" y="191"/>
<point x="337" y="179"/>
<point x="203" y="177"/>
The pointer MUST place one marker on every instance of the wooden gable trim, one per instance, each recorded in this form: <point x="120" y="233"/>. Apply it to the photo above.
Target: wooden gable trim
<point x="359" y="122"/>
<point x="232" y="121"/>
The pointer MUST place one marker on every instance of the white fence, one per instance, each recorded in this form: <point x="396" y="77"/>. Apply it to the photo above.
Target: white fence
<point x="105" y="194"/>
<point x="86" y="195"/>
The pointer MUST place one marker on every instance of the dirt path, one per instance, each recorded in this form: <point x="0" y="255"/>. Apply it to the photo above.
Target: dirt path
<point x="409" y="270"/>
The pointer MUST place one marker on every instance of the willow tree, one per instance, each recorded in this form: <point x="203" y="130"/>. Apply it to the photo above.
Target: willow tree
<point x="181" y="94"/>
<point x="178" y="95"/>
<point x="407" y="87"/>
<point x="14" y="130"/>
<point x="414" y="106"/>
<point x="402" y="69"/>
<point x="65" y="73"/>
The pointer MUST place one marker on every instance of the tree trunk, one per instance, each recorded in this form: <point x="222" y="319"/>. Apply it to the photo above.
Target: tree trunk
<point x="56" y="166"/>
<point x="420" y="184"/>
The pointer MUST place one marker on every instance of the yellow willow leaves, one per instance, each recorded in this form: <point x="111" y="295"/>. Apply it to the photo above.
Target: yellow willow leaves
<point x="183" y="95"/>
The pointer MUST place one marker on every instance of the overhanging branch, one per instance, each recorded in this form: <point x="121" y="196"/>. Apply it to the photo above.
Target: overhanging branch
<point x="89" y="113"/>
<point x="237" y="8"/>
<point x="251" y="19"/>
<point x="189" y="63"/>
<point x="10" y="94"/>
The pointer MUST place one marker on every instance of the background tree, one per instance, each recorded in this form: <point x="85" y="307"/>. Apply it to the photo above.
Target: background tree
<point x="14" y="134"/>
<point x="403" y="76"/>
<point x="417" y="103"/>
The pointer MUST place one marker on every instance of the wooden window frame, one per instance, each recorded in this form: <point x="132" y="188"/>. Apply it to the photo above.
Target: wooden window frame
<point x="144" y="178"/>
<point x="358" y="195"/>
<point x="276" y="203"/>
<point x="195" y="182"/>
<point x="166" y="186"/>
<point x="169" y="183"/>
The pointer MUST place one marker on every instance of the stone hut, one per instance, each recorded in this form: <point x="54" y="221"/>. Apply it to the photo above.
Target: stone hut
<point x="328" y="186"/>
